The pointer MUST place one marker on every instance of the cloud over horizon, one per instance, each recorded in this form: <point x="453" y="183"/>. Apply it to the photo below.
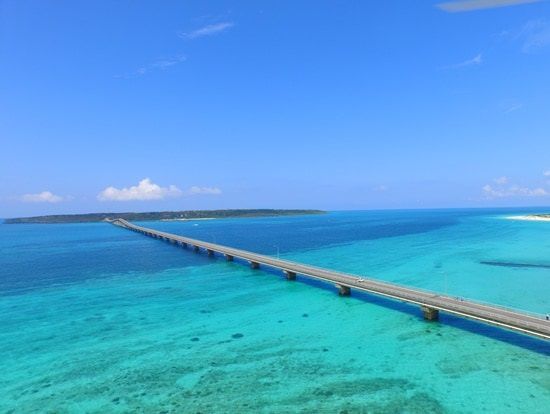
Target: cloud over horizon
<point x="472" y="5"/>
<point x="503" y="190"/>
<point x="513" y="191"/>
<point x="43" y="197"/>
<point x="145" y="190"/>
<point x="194" y="190"/>
<point x="209" y="30"/>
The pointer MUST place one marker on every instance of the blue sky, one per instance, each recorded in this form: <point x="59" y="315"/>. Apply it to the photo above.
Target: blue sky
<point x="140" y="106"/>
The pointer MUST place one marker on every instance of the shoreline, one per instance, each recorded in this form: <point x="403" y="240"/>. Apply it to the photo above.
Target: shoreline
<point x="189" y="219"/>
<point x="180" y="215"/>
<point x="531" y="217"/>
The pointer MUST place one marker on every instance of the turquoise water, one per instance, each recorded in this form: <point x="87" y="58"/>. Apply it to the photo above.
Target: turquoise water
<point x="97" y="319"/>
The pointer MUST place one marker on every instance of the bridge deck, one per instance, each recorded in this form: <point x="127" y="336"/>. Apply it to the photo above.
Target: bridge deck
<point x="491" y="314"/>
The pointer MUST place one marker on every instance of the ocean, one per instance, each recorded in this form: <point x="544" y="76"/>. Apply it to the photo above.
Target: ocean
<point x="98" y="319"/>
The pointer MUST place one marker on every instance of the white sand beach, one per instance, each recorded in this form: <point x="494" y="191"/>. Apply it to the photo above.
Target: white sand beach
<point x="531" y="217"/>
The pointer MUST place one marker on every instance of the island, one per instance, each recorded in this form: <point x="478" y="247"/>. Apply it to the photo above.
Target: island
<point x="160" y="215"/>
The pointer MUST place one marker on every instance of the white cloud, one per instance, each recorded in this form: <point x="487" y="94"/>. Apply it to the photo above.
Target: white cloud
<point x="161" y="64"/>
<point x="166" y="63"/>
<point x="209" y="30"/>
<point x="513" y="191"/>
<point x="43" y="197"/>
<point x="145" y="190"/>
<point x="509" y="105"/>
<point x="471" y="5"/>
<point x="381" y="188"/>
<point x="503" y="188"/>
<point x="148" y="190"/>
<point x="535" y="35"/>
<point x="538" y="192"/>
<point x="204" y="190"/>
<point x="476" y="60"/>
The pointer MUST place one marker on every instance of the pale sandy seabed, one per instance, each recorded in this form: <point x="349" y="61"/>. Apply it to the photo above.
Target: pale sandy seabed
<point x="529" y="218"/>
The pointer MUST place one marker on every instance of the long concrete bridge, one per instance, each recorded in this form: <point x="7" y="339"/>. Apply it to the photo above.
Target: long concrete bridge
<point x="431" y="303"/>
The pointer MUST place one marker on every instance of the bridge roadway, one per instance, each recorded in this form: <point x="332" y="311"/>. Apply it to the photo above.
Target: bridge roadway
<point x="430" y="302"/>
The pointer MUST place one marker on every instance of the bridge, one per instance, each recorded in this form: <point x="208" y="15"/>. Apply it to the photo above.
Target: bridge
<point x="431" y="303"/>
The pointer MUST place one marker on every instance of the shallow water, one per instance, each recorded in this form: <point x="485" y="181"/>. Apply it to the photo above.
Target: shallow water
<point x="98" y="319"/>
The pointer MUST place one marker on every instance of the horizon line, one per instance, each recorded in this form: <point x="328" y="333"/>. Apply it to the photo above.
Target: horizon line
<point x="289" y="209"/>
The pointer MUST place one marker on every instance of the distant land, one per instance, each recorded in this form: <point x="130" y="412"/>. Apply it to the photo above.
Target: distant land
<point x="159" y="215"/>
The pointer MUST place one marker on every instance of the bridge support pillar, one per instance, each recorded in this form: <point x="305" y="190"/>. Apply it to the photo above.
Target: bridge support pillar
<point x="183" y="244"/>
<point x="289" y="275"/>
<point x="430" y="314"/>
<point x="210" y="252"/>
<point x="172" y="241"/>
<point x="343" y="290"/>
<point x="228" y="257"/>
<point x="196" y="248"/>
<point x="254" y="265"/>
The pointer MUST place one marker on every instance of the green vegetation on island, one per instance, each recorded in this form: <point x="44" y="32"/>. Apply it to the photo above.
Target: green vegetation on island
<point x="160" y="215"/>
